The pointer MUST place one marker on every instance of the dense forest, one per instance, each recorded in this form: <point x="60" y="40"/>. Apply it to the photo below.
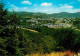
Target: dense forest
<point x="16" y="41"/>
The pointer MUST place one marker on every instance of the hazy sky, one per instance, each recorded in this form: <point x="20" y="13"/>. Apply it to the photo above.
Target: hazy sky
<point x="45" y="6"/>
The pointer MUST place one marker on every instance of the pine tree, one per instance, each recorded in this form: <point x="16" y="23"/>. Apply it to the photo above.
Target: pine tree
<point x="3" y="13"/>
<point x="8" y="37"/>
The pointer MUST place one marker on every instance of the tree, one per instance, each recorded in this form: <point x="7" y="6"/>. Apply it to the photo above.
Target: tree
<point x="48" y="43"/>
<point x="3" y="13"/>
<point x="77" y="23"/>
<point x="8" y="37"/>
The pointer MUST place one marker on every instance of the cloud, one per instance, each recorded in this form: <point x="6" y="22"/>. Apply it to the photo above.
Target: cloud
<point x="49" y="10"/>
<point x="72" y="10"/>
<point x="25" y="8"/>
<point x="26" y="2"/>
<point x="55" y="9"/>
<point x="66" y="6"/>
<point x="8" y="2"/>
<point x="15" y="8"/>
<point x="78" y="0"/>
<point x="46" y="4"/>
<point x="72" y="3"/>
<point x="45" y="10"/>
<point x="35" y="4"/>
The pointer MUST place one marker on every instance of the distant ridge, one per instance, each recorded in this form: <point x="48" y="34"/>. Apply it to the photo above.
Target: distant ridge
<point x="44" y="15"/>
<point x="65" y="14"/>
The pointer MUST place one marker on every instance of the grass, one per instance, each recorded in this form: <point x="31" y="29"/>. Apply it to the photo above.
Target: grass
<point x="30" y="30"/>
<point x="66" y="53"/>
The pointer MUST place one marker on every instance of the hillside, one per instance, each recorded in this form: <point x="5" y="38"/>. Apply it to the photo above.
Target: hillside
<point x="65" y="14"/>
<point x="44" y="15"/>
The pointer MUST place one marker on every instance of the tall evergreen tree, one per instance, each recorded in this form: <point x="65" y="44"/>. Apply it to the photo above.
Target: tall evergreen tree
<point x="8" y="37"/>
<point x="3" y="13"/>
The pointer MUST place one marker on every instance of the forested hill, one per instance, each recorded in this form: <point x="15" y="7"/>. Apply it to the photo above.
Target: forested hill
<point x="44" y="15"/>
<point x="65" y="14"/>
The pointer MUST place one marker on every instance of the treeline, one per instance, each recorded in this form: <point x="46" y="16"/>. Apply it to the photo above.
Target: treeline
<point x="19" y="42"/>
<point x="66" y="38"/>
<point x="44" y="15"/>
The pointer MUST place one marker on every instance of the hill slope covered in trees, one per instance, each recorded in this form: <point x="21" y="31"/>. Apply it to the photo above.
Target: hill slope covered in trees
<point x="44" y="15"/>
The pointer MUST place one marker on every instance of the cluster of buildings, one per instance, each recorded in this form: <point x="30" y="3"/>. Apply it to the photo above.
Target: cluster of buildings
<point x="52" y="22"/>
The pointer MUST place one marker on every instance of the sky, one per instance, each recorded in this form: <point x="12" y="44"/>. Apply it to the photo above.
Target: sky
<point x="45" y="6"/>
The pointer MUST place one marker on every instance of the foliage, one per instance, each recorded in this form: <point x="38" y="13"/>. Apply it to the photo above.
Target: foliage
<point x="77" y="23"/>
<point x="19" y="42"/>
